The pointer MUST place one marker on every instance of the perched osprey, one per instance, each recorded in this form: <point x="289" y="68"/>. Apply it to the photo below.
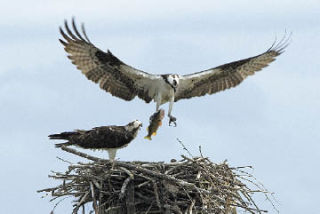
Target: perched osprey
<point x="126" y="82"/>
<point x="110" y="138"/>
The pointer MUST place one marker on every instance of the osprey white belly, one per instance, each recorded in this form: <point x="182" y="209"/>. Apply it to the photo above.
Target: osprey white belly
<point x="166" y="93"/>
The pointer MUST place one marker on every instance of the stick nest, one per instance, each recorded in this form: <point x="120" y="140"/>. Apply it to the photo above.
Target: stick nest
<point x="190" y="185"/>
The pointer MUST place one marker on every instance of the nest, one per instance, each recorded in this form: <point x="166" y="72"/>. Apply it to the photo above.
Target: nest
<point x="190" y="185"/>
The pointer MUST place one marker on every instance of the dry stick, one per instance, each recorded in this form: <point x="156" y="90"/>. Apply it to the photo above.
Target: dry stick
<point x="73" y="151"/>
<point x="128" y="172"/>
<point x="176" y="209"/>
<point x="101" y="206"/>
<point x="143" y="196"/>
<point x="142" y="184"/>
<point x="83" y="199"/>
<point x="189" y="210"/>
<point x="200" y="150"/>
<point x="249" y="198"/>
<point x="97" y="184"/>
<point x="149" y="208"/>
<point x="59" y="203"/>
<point x="261" y="188"/>
<point x="241" y="167"/>
<point x="49" y="189"/>
<point x="124" y="187"/>
<point x="64" y="160"/>
<point x="155" y="190"/>
<point x="183" y="146"/>
<point x="251" y="210"/>
<point x="113" y="208"/>
<point x="95" y="206"/>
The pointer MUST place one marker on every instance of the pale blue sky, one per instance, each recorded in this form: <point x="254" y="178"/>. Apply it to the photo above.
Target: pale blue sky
<point x="270" y="121"/>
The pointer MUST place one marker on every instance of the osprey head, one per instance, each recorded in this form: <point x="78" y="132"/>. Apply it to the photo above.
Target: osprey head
<point x="134" y="125"/>
<point x="172" y="80"/>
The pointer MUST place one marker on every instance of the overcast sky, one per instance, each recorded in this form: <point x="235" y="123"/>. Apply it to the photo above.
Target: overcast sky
<point x="270" y="121"/>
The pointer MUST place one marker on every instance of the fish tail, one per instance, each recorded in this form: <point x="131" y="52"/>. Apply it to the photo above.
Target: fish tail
<point x="147" y="137"/>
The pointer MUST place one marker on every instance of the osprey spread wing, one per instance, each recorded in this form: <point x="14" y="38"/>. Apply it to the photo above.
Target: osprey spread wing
<point x="126" y="82"/>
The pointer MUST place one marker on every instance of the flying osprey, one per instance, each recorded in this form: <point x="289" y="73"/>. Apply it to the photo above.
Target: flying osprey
<point x="110" y="138"/>
<point x="126" y="82"/>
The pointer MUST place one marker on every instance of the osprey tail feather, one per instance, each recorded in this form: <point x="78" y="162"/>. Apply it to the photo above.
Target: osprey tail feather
<point x="62" y="136"/>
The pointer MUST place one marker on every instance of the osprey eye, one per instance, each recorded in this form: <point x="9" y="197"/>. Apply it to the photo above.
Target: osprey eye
<point x="174" y="82"/>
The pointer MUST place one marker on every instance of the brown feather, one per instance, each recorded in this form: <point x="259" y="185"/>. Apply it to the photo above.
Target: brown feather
<point x="100" y="67"/>
<point x="226" y="76"/>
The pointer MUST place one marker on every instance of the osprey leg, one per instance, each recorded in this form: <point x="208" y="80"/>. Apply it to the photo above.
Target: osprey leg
<point x="172" y="118"/>
<point x="157" y="108"/>
<point x="112" y="155"/>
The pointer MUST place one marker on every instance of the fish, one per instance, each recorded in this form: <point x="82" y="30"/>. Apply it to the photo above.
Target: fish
<point x="155" y="123"/>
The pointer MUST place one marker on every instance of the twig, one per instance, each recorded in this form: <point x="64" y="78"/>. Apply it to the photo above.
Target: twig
<point x="95" y="206"/>
<point x="124" y="186"/>
<point x="183" y="146"/>
<point x="64" y="160"/>
<point x="200" y="150"/>
<point x="83" y="199"/>
<point x="155" y="190"/>
<point x="84" y="155"/>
